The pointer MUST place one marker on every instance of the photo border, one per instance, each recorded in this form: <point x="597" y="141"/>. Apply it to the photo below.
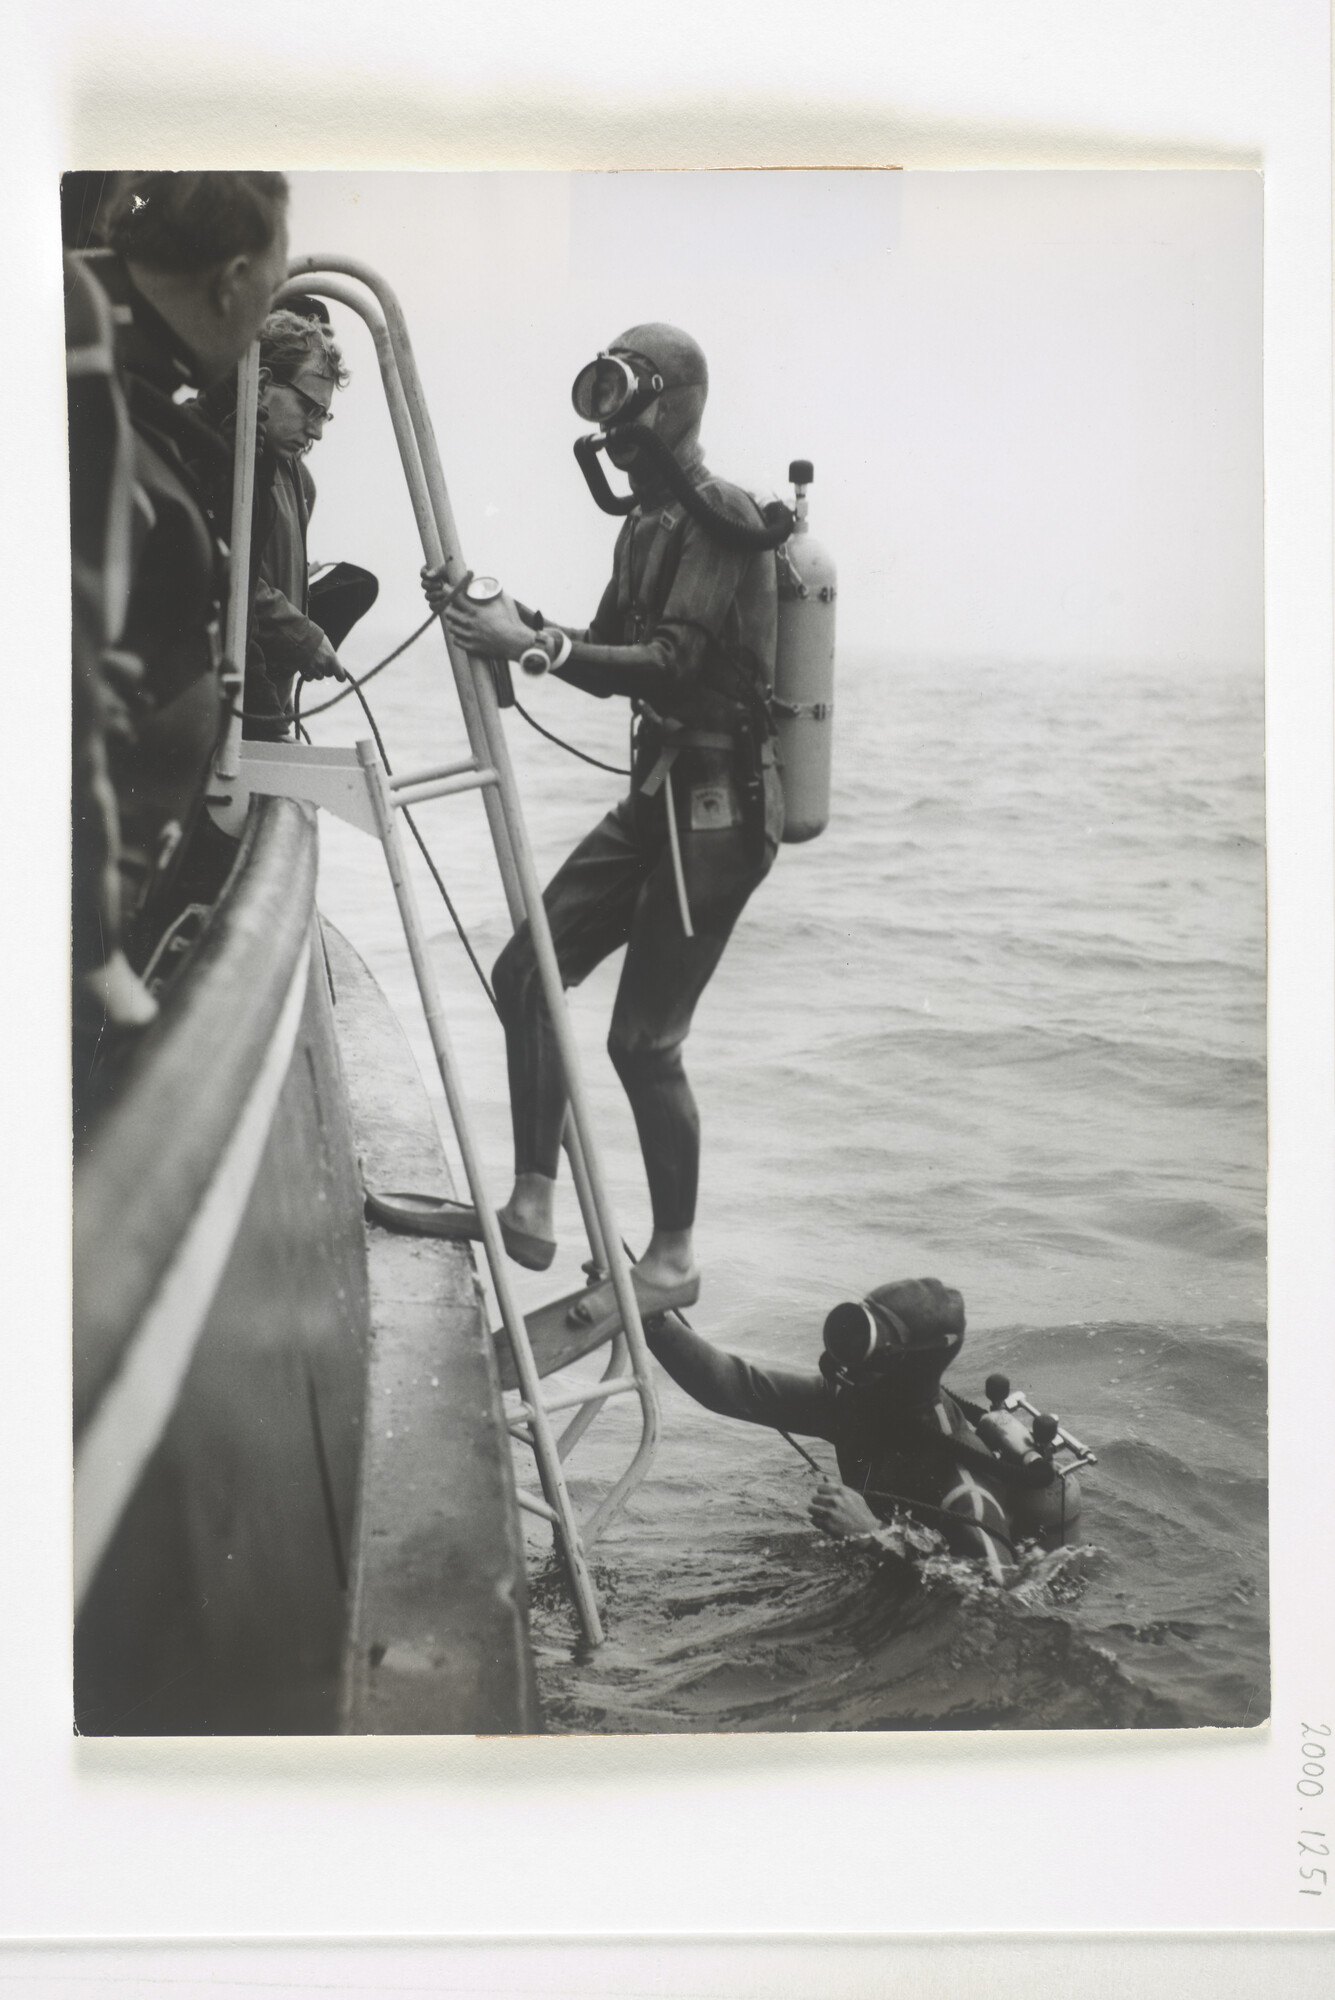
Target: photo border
<point x="1249" y="90"/>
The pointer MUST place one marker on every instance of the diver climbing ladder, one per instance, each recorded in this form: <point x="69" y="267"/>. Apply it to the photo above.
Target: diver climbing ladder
<point x="356" y="786"/>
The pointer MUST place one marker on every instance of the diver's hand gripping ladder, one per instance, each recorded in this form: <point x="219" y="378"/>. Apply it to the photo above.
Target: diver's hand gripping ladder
<point x="356" y="786"/>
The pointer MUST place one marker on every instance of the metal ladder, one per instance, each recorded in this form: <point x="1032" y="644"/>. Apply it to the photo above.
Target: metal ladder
<point x="354" y="784"/>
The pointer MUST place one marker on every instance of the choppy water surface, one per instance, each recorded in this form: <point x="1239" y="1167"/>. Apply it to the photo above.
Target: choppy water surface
<point x="1002" y="1024"/>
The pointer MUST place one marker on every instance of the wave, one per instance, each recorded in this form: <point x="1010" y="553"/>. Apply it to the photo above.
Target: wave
<point x="853" y="1641"/>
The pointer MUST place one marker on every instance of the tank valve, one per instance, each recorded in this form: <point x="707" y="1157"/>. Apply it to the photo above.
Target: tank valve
<point x="996" y="1389"/>
<point x="1046" y="1432"/>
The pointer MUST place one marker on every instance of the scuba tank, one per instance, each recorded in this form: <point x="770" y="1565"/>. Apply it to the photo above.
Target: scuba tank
<point x="1022" y="1436"/>
<point x="803" y="703"/>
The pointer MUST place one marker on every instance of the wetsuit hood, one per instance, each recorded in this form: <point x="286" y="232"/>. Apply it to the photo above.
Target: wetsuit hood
<point x="675" y="356"/>
<point x="678" y="363"/>
<point x="903" y="1335"/>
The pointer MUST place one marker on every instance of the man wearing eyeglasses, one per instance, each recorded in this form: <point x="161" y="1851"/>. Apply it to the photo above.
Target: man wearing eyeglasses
<point x="294" y="627"/>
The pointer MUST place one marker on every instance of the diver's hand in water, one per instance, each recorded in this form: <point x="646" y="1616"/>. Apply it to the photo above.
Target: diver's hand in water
<point x="838" y="1510"/>
<point x="495" y="630"/>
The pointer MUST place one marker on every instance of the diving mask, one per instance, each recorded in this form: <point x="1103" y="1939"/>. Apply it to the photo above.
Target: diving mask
<point x="616" y="388"/>
<point x="860" y="1338"/>
<point x="915" y="1338"/>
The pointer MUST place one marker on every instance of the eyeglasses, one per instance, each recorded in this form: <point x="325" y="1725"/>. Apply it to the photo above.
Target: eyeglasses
<point x="309" y="404"/>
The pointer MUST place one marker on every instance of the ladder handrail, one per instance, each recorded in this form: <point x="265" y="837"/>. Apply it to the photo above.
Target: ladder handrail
<point x="431" y="505"/>
<point x="559" y="1507"/>
<point x="474" y="680"/>
<point x="228" y="813"/>
<point x="420" y="458"/>
<point x="553" y="1479"/>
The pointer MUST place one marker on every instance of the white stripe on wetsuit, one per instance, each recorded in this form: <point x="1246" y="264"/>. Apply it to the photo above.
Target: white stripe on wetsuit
<point x="969" y="1488"/>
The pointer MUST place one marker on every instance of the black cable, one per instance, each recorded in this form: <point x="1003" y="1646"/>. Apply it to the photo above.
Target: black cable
<point x="801" y="1450"/>
<point x="455" y="918"/>
<point x="355" y="687"/>
<point x="262" y="715"/>
<point x="371" y="672"/>
<point x="778" y="520"/>
<point x="617" y="770"/>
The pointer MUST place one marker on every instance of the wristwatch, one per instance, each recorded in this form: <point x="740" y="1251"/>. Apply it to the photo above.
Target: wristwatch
<point x="539" y="659"/>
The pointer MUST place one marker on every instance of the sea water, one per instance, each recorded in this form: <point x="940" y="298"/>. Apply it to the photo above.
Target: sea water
<point x="1002" y="1024"/>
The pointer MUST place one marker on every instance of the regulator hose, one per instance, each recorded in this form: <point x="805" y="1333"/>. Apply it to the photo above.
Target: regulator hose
<point x="723" y="527"/>
<point x="586" y="452"/>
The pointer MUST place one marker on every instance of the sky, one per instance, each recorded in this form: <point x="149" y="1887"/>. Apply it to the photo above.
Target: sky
<point x="1033" y="400"/>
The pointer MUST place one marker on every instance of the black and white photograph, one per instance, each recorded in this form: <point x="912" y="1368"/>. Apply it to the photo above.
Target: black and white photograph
<point x="669" y="1033"/>
<point x="669" y="1211"/>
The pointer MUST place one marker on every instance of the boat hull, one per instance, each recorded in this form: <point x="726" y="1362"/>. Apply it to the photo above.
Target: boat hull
<point x="220" y="1605"/>
<point x="244" y="1564"/>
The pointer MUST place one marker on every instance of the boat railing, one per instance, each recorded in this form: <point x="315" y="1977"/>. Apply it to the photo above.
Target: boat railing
<point x="355" y="784"/>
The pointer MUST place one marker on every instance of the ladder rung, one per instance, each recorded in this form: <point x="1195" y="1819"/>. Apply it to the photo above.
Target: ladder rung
<point x="428" y="771"/>
<point x="597" y="1392"/>
<point x="444" y="788"/>
<point x="531" y="1503"/>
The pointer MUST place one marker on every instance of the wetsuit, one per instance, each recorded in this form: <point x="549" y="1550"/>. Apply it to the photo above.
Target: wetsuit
<point x="918" y="1452"/>
<point x="686" y="631"/>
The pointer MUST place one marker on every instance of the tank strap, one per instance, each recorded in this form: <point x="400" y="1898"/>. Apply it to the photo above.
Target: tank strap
<point x="941" y="1514"/>
<point x="676" y="738"/>
<point x="652" y="594"/>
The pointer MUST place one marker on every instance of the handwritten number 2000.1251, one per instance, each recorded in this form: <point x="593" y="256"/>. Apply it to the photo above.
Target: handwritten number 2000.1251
<point x="1312" y="1840"/>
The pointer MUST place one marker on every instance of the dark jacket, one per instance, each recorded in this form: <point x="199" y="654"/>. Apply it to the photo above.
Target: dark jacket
<point x="103" y="500"/>
<point x="282" y="637"/>
<point x="174" y="709"/>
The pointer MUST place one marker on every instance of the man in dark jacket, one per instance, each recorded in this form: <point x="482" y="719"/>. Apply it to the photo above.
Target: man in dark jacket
<point x="192" y="263"/>
<point x="301" y="368"/>
<point x="686" y="632"/>
<point x="102" y="511"/>
<point x="294" y="625"/>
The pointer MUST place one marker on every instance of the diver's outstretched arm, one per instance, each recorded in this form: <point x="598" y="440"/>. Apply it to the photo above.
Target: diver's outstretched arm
<point x="787" y="1399"/>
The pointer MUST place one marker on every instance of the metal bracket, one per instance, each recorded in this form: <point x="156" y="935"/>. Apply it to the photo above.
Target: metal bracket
<point x="328" y="777"/>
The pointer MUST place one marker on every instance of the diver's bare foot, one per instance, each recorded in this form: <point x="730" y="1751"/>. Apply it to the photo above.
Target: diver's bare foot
<point x="532" y="1206"/>
<point x="669" y="1262"/>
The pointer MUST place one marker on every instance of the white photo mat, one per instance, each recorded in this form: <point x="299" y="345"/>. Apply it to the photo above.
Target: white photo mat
<point x="734" y="1836"/>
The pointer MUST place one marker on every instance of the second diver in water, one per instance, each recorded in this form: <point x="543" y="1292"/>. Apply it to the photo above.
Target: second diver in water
<point x="905" y="1446"/>
<point x="686" y="632"/>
